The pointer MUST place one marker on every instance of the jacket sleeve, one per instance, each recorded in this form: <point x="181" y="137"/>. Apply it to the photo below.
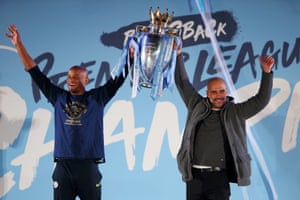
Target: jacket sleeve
<point x="257" y="102"/>
<point x="110" y="88"/>
<point x="186" y="90"/>
<point x="49" y="90"/>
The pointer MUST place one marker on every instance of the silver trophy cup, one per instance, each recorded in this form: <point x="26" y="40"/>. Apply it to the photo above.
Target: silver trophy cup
<point x="156" y="47"/>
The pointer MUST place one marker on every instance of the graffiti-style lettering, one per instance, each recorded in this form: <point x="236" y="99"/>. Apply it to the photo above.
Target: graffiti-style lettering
<point x="294" y="55"/>
<point x="246" y="58"/>
<point x="193" y="30"/>
<point x="122" y="111"/>
<point x="291" y="126"/>
<point x="164" y="122"/>
<point x="36" y="148"/>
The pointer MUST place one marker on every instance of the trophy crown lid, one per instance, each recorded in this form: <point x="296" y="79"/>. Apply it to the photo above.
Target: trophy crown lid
<point x="160" y="19"/>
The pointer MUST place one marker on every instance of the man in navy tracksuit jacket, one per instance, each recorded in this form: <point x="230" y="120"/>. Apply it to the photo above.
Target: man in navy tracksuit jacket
<point x="79" y="145"/>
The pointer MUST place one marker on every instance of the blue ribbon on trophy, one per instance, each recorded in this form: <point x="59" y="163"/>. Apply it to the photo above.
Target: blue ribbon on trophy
<point x="155" y="57"/>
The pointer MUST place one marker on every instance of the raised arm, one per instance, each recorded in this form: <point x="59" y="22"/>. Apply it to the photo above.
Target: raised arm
<point x="266" y="63"/>
<point x="257" y="102"/>
<point x="15" y="38"/>
<point x="185" y="88"/>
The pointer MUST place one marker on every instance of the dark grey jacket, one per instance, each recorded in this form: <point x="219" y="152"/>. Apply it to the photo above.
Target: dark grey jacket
<point x="233" y="117"/>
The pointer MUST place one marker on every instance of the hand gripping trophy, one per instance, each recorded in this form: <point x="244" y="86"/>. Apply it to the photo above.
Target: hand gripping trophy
<point x="155" y="57"/>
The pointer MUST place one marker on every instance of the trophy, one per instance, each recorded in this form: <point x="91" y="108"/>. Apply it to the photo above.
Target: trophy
<point x="155" y="56"/>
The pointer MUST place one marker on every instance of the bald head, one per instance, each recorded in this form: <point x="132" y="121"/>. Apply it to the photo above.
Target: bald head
<point x="80" y="70"/>
<point x="216" y="92"/>
<point x="215" y="81"/>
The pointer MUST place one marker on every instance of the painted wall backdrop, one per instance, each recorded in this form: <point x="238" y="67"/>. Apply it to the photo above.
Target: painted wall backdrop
<point x="141" y="135"/>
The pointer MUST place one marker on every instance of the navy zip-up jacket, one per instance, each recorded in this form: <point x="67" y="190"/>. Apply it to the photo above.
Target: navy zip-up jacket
<point x="233" y="116"/>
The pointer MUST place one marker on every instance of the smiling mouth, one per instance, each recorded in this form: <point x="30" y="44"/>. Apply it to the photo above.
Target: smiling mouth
<point x="219" y="100"/>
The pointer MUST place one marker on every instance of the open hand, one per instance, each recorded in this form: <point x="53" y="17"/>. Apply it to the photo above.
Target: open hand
<point x="13" y="34"/>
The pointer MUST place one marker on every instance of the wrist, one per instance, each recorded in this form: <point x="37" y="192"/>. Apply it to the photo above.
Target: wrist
<point x="179" y="53"/>
<point x="17" y="44"/>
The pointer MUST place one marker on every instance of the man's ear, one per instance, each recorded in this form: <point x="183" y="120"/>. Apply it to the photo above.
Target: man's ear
<point x="87" y="80"/>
